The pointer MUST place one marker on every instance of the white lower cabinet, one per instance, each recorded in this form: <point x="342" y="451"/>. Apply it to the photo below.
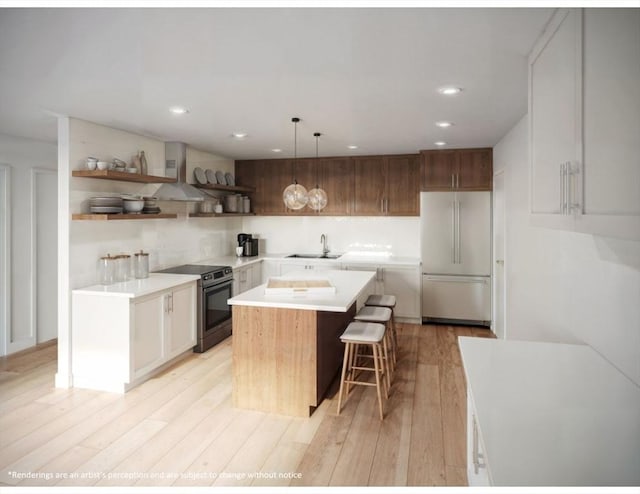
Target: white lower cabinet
<point x="401" y="281"/>
<point x="119" y="341"/>
<point x="288" y="266"/>
<point x="246" y="277"/>
<point x="477" y="473"/>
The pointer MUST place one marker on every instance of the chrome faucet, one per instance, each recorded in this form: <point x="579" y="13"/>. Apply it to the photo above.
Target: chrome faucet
<point x="323" y="241"/>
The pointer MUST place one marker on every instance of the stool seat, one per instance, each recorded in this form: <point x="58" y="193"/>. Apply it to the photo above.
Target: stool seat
<point x="366" y="332"/>
<point x="373" y="314"/>
<point x="381" y="300"/>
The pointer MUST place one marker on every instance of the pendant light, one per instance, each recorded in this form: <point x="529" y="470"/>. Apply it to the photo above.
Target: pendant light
<point x="317" y="196"/>
<point x="295" y="195"/>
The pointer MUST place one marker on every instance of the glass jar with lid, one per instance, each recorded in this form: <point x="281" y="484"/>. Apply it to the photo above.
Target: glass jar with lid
<point x="123" y="267"/>
<point x="141" y="264"/>
<point x="107" y="270"/>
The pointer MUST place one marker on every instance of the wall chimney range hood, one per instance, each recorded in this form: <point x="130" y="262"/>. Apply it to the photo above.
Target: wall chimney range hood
<point x="175" y="155"/>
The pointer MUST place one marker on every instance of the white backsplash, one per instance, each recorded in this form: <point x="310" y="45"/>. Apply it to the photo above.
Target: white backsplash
<point x="398" y="235"/>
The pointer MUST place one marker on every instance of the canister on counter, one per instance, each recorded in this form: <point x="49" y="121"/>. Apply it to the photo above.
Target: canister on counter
<point x="141" y="264"/>
<point x="107" y="270"/>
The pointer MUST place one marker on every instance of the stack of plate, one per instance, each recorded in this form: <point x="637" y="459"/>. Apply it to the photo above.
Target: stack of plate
<point x="105" y="205"/>
<point x="150" y="206"/>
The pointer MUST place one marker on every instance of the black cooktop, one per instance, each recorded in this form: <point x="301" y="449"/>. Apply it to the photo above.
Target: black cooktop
<point x="192" y="269"/>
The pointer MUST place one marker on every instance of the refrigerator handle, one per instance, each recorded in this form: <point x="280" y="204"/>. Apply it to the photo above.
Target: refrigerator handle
<point x="561" y="188"/>
<point x="453" y="231"/>
<point x="458" y="228"/>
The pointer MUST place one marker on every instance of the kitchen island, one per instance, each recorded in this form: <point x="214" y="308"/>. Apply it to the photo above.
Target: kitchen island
<point x="286" y="347"/>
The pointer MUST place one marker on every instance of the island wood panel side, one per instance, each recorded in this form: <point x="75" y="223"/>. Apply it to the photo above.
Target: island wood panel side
<point x="274" y="359"/>
<point x="331" y="325"/>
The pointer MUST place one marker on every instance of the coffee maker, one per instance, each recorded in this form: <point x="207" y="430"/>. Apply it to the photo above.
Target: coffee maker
<point x="248" y="243"/>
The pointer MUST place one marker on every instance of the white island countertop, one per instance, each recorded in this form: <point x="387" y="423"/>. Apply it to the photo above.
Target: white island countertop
<point x="350" y="286"/>
<point x="552" y="414"/>
<point x="156" y="282"/>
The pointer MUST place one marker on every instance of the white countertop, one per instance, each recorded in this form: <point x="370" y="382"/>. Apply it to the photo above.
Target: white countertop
<point x="348" y="258"/>
<point x="137" y="288"/>
<point x="349" y="286"/>
<point x="553" y="414"/>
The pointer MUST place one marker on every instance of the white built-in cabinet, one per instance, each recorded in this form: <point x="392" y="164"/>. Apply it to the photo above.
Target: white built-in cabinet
<point x="288" y="265"/>
<point x="120" y="340"/>
<point x="584" y="116"/>
<point x="402" y="281"/>
<point x="246" y="277"/>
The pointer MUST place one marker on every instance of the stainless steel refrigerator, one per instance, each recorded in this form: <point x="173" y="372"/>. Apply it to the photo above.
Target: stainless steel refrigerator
<point x="455" y="241"/>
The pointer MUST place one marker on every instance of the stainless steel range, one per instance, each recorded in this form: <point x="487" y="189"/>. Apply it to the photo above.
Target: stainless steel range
<point x="215" y="287"/>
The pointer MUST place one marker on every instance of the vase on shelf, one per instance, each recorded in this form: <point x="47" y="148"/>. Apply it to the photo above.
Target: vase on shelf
<point x="143" y="163"/>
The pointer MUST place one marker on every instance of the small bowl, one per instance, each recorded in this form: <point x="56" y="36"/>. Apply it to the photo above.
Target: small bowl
<point x="103" y="165"/>
<point x="91" y="164"/>
<point x="133" y="206"/>
<point x="132" y="169"/>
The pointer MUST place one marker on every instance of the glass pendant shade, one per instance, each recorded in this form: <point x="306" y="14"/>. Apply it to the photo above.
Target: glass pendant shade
<point x="295" y="196"/>
<point x="317" y="199"/>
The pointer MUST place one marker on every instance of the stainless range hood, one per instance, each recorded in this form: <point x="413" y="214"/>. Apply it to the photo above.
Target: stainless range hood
<point x="175" y="156"/>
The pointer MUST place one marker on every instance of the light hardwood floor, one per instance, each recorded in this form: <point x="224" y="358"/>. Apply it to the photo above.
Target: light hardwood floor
<point x="179" y="428"/>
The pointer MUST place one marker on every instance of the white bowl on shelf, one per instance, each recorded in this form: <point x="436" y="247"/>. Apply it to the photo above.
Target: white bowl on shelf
<point x="103" y="165"/>
<point x="133" y="205"/>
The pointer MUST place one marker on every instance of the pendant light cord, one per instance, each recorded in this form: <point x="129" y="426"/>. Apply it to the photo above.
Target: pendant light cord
<point x="317" y="136"/>
<point x="295" y="121"/>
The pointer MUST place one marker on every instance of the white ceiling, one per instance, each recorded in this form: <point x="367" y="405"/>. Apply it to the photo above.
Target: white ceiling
<point x="359" y="76"/>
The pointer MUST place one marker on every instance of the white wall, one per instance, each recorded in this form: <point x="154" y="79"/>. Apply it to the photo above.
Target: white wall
<point x="565" y="286"/>
<point x="283" y="234"/>
<point x="23" y="157"/>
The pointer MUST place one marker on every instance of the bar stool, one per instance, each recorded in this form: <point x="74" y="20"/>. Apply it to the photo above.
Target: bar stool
<point x="372" y="336"/>
<point x="388" y="301"/>
<point x="381" y="315"/>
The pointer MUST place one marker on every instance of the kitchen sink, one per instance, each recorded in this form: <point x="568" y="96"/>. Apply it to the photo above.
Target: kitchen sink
<point x="314" y="256"/>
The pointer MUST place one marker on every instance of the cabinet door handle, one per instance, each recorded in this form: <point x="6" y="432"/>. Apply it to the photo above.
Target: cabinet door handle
<point x="458" y="233"/>
<point x="171" y="302"/>
<point x="453" y="181"/>
<point x="457" y="180"/>
<point x="476" y="449"/>
<point x="453" y="232"/>
<point x="561" y="188"/>
<point x="567" y="184"/>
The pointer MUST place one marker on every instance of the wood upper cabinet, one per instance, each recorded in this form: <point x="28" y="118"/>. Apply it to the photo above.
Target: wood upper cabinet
<point x="248" y="173"/>
<point x="370" y="183"/>
<point x="386" y="185"/>
<point x="365" y="185"/>
<point x="403" y="191"/>
<point x="336" y="178"/>
<point x="457" y="169"/>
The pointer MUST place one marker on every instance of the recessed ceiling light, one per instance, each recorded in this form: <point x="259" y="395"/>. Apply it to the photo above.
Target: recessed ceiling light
<point x="449" y="90"/>
<point x="276" y="150"/>
<point x="440" y="143"/>
<point x="178" y="110"/>
<point x="352" y="146"/>
<point x="444" y="125"/>
<point x="239" y="135"/>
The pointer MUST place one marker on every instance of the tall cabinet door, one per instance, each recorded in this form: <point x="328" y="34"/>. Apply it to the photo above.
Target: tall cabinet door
<point x="370" y="184"/>
<point x="276" y="175"/>
<point x="336" y="178"/>
<point x="555" y="105"/>
<point x="403" y="185"/>
<point x="437" y="233"/>
<point x="473" y="242"/>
